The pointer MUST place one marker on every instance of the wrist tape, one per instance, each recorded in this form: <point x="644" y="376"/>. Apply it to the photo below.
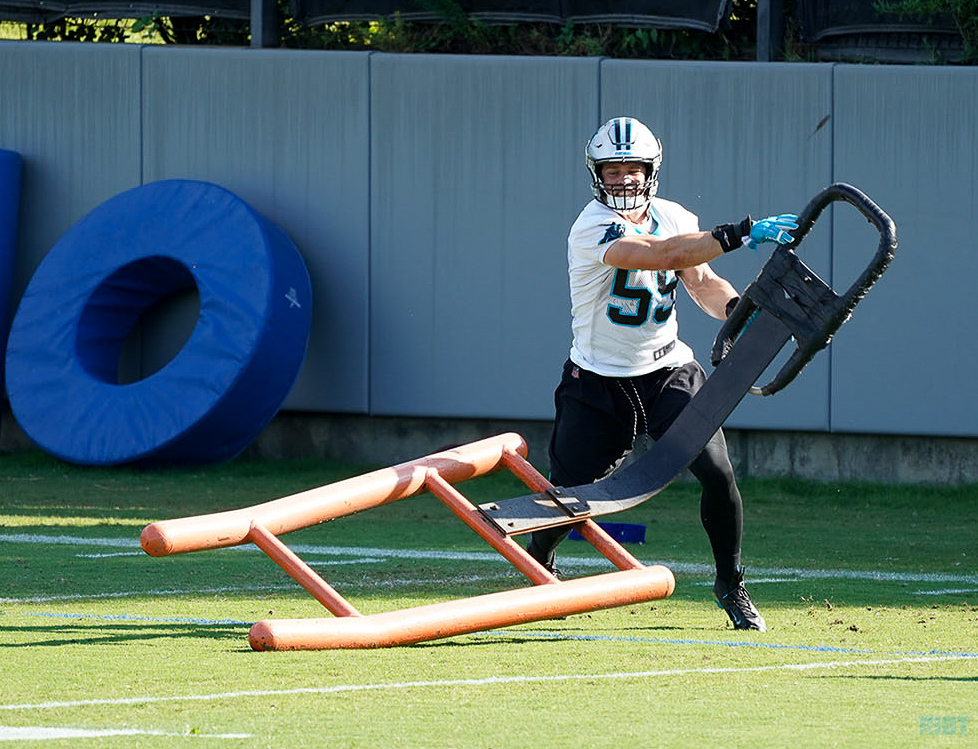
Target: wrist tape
<point x="731" y="236"/>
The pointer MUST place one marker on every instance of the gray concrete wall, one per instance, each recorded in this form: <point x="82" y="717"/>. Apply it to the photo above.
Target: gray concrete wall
<point x="814" y="456"/>
<point x="373" y="441"/>
<point x="431" y="195"/>
<point x="73" y="113"/>
<point x="287" y="132"/>
<point x="474" y="183"/>
<point x="905" y="365"/>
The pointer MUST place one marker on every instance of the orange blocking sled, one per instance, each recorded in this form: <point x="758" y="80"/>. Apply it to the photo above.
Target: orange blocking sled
<point x="547" y="598"/>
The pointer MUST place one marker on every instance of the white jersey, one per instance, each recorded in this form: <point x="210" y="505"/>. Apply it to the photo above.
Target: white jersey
<point x="624" y="321"/>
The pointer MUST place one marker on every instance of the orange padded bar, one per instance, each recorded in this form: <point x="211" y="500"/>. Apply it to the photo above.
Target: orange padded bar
<point x="459" y="617"/>
<point x="525" y="472"/>
<point x="470" y="515"/>
<point x="327" y="502"/>
<point x="591" y="531"/>
<point x="613" y="551"/>
<point x="301" y="572"/>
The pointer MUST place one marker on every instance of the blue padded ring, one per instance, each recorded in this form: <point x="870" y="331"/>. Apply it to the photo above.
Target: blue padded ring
<point x="229" y="379"/>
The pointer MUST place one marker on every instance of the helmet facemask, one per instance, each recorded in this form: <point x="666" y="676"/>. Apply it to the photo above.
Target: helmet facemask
<point x="626" y="197"/>
<point x="624" y="139"/>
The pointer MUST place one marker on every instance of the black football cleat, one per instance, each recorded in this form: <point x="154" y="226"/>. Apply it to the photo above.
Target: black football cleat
<point x="732" y="597"/>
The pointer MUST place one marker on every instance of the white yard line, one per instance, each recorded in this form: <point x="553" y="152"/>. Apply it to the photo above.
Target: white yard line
<point x="40" y="733"/>
<point x="393" y="582"/>
<point x="488" y="681"/>
<point x="360" y="553"/>
<point x="111" y="554"/>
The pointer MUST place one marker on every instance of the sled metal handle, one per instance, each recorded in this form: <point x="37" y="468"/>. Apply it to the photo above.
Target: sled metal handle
<point x="792" y="292"/>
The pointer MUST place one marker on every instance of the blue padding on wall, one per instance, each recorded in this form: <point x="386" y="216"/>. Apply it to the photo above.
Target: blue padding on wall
<point x="623" y="533"/>
<point x="226" y="383"/>
<point x="10" y="169"/>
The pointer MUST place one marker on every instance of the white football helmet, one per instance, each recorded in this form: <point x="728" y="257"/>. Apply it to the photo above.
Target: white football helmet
<point x="624" y="139"/>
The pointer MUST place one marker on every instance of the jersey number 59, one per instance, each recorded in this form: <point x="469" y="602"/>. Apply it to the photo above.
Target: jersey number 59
<point x="666" y="283"/>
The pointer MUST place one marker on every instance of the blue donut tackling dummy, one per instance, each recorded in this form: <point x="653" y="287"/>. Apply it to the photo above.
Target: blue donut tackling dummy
<point x="10" y="169"/>
<point x="229" y="379"/>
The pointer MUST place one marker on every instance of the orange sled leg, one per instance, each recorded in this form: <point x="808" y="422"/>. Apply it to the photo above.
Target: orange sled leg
<point x="466" y="615"/>
<point x="545" y="599"/>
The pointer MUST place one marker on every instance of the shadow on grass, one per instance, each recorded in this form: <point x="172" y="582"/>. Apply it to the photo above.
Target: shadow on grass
<point x="565" y="635"/>
<point x="59" y="635"/>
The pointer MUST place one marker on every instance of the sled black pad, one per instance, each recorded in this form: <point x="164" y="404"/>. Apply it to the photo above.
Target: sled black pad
<point x="787" y="300"/>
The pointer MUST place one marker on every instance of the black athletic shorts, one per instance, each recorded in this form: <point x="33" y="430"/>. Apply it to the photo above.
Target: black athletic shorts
<point x="598" y="417"/>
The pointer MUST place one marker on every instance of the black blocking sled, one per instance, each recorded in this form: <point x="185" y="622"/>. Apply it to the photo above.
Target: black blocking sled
<point x="786" y="301"/>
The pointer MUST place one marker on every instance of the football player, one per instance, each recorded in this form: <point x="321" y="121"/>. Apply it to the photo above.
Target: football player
<point x="629" y="375"/>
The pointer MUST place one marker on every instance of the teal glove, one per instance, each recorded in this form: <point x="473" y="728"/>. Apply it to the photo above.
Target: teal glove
<point x="772" y="229"/>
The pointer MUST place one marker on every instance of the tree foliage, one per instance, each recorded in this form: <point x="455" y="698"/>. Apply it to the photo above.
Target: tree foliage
<point x="454" y="33"/>
<point x="964" y="14"/>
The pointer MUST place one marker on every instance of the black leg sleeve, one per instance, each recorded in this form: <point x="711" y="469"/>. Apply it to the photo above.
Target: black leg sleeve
<point x="721" y="506"/>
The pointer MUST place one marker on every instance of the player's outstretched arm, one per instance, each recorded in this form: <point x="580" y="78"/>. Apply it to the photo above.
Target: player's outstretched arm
<point x="648" y="252"/>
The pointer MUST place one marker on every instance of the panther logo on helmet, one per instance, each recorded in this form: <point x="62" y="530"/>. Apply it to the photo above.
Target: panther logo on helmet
<point x="624" y="139"/>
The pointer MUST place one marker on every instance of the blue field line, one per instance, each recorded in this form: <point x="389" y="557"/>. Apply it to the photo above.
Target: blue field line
<point x="130" y="618"/>
<point x="535" y="635"/>
<point x="722" y="643"/>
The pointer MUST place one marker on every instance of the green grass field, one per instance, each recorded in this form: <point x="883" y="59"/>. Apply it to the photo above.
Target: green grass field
<point x="870" y="594"/>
